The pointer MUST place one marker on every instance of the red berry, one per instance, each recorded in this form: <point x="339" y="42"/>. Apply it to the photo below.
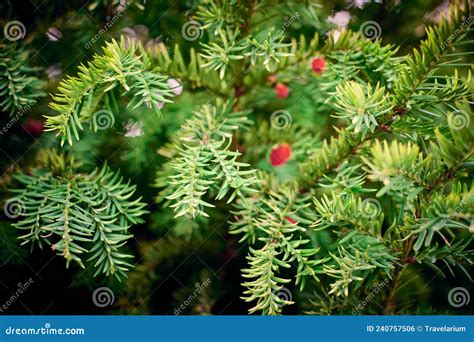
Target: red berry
<point x="289" y="219"/>
<point x="318" y="64"/>
<point x="33" y="126"/>
<point x="281" y="91"/>
<point x="280" y="155"/>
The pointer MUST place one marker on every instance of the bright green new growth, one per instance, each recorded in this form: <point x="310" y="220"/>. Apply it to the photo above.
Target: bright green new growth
<point x="124" y="69"/>
<point x="280" y="223"/>
<point x="205" y="161"/>
<point x="361" y="107"/>
<point x="83" y="217"/>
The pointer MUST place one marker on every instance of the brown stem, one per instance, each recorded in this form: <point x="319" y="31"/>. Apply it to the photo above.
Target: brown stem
<point x="390" y="302"/>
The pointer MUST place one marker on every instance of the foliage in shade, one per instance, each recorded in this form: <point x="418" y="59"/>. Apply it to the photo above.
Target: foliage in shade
<point x="20" y="86"/>
<point x="83" y="217"/>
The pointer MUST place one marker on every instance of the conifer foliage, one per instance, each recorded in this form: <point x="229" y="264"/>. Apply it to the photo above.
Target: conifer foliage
<point x="78" y="214"/>
<point x="122" y="65"/>
<point x="342" y="165"/>
<point x="20" y="86"/>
